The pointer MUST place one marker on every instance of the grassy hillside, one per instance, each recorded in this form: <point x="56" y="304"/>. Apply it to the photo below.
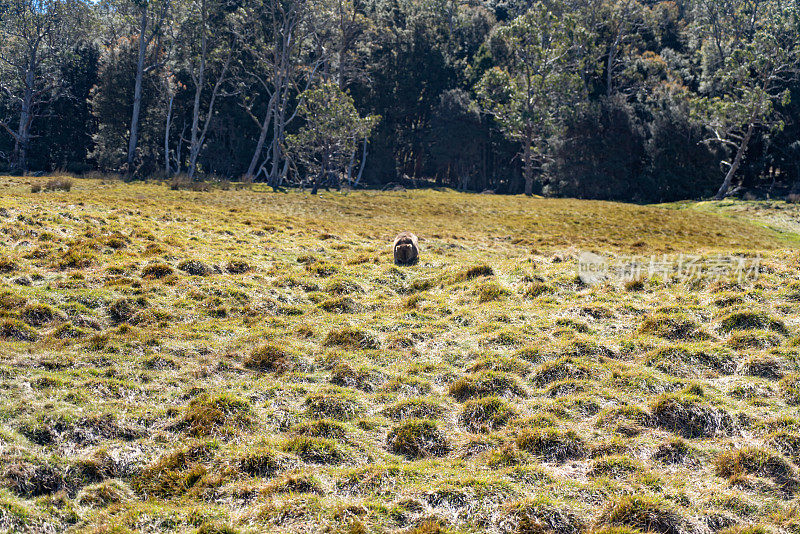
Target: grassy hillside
<point x="250" y="361"/>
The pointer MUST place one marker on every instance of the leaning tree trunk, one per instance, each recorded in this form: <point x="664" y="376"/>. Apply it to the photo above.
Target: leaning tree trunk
<point x="527" y="162"/>
<point x="737" y="161"/>
<point x="137" y="93"/>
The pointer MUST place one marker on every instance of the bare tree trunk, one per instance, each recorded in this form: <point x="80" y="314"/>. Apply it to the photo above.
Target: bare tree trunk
<point x="22" y="139"/>
<point x="262" y="137"/>
<point x="137" y="92"/>
<point x="737" y="161"/>
<point x="166" y="135"/>
<point x="527" y="162"/>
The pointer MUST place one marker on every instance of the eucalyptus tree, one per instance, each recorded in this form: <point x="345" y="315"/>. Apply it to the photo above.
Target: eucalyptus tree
<point x="535" y="82"/>
<point x="151" y="16"/>
<point x="35" y="35"/>
<point x="275" y="36"/>
<point x="333" y="127"/>
<point x="207" y="47"/>
<point x="750" y="57"/>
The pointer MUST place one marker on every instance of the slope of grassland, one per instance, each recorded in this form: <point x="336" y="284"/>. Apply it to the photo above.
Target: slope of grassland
<point x="250" y="361"/>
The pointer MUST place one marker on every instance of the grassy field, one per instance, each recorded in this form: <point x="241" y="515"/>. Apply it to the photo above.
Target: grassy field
<point x="250" y="361"/>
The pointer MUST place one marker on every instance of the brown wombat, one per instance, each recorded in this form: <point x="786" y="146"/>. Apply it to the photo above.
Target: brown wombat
<point x="406" y="249"/>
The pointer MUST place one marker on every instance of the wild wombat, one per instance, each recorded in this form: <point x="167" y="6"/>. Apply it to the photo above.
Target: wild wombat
<point x="406" y="249"/>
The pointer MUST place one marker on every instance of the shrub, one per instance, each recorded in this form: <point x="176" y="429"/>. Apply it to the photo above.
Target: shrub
<point x="647" y="514"/>
<point x="552" y="445"/>
<point x="351" y="338"/>
<point x="690" y="417"/>
<point x="58" y="184"/>
<point x="486" y="414"/>
<point x="485" y="384"/>
<point x="314" y="450"/>
<point x="156" y="271"/>
<point x="269" y="358"/>
<point x="417" y="438"/>
<point x="194" y="268"/>
<point x="17" y="331"/>
<point x="205" y="414"/>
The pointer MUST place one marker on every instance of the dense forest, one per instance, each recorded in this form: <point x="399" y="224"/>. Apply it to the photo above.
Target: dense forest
<point x="611" y="99"/>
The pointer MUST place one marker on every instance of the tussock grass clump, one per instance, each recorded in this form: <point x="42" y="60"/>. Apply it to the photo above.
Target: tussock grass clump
<point x="259" y="462"/>
<point x="69" y="331"/>
<point x="207" y="415"/>
<point x="39" y="314"/>
<point x="538" y="516"/>
<point x="105" y="493"/>
<point x="628" y="419"/>
<point x="345" y="376"/>
<point x="763" y="366"/>
<point x="675" y="451"/>
<point x="646" y="514"/>
<point x="690" y="416"/>
<point x="672" y="327"/>
<point x="419" y="408"/>
<point x="476" y="271"/>
<point x="485" y="415"/>
<point x="351" y="338"/>
<point x="417" y="438"/>
<point x="614" y="466"/>
<point x="758" y="462"/>
<point x="536" y="290"/>
<point x="560" y="369"/>
<point x="332" y="404"/>
<point x="297" y="483"/>
<point x="174" y="473"/>
<point x="552" y="445"/>
<point x="14" y="330"/>
<point x="789" y="388"/>
<point x="323" y="428"/>
<point x="32" y="478"/>
<point x="269" y="358"/>
<point x="691" y="362"/>
<point x="503" y="364"/>
<point x="194" y="268"/>
<point x="238" y="267"/>
<point x="7" y="265"/>
<point x="754" y="339"/>
<point x="750" y="320"/>
<point x="314" y="450"/>
<point x="341" y="304"/>
<point x="155" y="271"/>
<point x="121" y="310"/>
<point x="492" y="291"/>
<point x="486" y="384"/>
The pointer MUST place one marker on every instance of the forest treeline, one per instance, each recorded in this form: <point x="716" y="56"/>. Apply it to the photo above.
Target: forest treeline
<point x="611" y="99"/>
